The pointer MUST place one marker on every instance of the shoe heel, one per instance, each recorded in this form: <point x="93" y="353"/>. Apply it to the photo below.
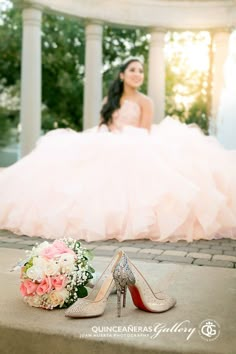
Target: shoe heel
<point x="123" y="276"/>
<point x="124" y="295"/>
<point x="119" y="292"/>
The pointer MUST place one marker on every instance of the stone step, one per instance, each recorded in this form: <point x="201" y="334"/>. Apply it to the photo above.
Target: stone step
<point x="200" y="292"/>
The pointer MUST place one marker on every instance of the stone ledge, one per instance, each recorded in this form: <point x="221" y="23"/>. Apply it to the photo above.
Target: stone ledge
<point x="165" y="246"/>
<point x="129" y="250"/>
<point x="175" y="253"/>
<point x="154" y="251"/>
<point x="144" y="256"/>
<point x="177" y="259"/>
<point x="13" y="245"/>
<point x="106" y="248"/>
<point x="216" y="263"/>
<point x="188" y="249"/>
<point x="224" y="257"/>
<point x="210" y="251"/>
<point x="201" y="245"/>
<point x="230" y="253"/>
<point x="11" y="240"/>
<point x="199" y="255"/>
<point x="225" y="248"/>
<point x="35" y="331"/>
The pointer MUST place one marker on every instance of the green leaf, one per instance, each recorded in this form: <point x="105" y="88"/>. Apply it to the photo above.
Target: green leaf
<point x="88" y="254"/>
<point x="89" y="276"/>
<point x="81" y="291"/>
<point x="91" y="269"/>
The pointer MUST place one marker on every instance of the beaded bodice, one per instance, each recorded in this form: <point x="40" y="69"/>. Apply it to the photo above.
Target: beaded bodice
<point x="128" y="114"/>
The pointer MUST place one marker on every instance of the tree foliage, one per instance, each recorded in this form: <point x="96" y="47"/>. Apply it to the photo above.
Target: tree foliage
<point x="62" y="72"/>
<point x="187" y="73"/>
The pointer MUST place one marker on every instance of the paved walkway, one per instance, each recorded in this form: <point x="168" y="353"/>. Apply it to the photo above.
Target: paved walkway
<point x="215" y="253"/>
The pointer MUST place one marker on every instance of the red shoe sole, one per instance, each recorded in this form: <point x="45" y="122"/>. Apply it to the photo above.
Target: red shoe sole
<point x="137" y="300"/>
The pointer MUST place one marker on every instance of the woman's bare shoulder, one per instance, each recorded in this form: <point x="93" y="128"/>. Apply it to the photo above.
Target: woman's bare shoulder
<point x="144" y="100"/>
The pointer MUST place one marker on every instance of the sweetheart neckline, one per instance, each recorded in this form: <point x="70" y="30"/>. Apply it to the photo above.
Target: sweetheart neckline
<point x="133" y="102"/>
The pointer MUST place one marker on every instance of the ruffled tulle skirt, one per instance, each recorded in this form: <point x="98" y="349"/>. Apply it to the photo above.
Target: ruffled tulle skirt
<point x="174" y="183"/>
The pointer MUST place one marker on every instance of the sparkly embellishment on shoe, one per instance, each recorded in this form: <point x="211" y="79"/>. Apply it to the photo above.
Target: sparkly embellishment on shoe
<point x="123" y="276"/>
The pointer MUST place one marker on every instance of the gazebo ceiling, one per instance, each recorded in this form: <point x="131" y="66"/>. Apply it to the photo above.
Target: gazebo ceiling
<point x="163" y="14"/>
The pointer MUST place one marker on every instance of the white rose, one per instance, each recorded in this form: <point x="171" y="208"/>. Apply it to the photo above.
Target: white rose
<point x="57" y="298"/>
<point x="50" y="267"/>
<point x="34" y="301"/>
<point x="38" y="249"/>
<point x="38" y="261"/>
<point x="66" y="262"/>
<point x="35" y="273"/>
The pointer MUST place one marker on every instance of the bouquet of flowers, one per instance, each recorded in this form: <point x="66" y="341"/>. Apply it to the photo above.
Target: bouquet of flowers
<point x="55" y="275"/>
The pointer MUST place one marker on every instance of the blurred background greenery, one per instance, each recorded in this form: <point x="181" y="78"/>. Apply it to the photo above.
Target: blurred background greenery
<point x="63" y="53"/>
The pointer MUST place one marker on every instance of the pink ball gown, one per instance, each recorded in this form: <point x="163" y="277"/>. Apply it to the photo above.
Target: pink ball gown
<point x="170" y="184"/>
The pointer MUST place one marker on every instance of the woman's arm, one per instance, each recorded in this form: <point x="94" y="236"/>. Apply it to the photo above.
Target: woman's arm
<point x="147" y="113"/>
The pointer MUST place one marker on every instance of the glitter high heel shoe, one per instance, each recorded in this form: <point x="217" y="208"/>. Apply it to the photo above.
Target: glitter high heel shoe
<point x="123" y="277"/>
<point x="94" y="304"/>
<point x="126" y="274"/>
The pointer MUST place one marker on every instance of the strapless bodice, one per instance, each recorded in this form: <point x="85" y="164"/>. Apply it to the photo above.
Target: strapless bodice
<point x="128" y="114"/>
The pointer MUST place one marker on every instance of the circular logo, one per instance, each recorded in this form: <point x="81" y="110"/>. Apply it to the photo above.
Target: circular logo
<point x="209" y="330"/>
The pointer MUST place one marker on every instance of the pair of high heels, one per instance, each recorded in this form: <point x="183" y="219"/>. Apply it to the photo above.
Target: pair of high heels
<point x="123" y="273"/>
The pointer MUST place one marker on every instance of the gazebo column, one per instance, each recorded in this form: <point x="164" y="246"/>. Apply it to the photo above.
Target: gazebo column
<point x="156" y="73"/>
<point x="30" y="114"/>
<point x="220" y="52"/>
<point x="93" y="75"/>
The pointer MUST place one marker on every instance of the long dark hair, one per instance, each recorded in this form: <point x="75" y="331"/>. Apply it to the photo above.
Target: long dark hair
<point x="114" y="93"/>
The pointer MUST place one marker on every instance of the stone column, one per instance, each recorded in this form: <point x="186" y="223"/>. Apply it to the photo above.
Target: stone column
<point x="156" y="73"/>
<point x="30" y="114"/>
<point x="220" y="52"/>
<point x="93" y="75"/>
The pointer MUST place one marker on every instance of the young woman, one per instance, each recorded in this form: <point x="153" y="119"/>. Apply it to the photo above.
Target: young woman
<point x="125" y="90"/>
<point x="126" y="178"/>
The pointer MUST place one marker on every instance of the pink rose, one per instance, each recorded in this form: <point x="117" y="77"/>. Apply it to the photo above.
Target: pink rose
<point x="44" y="287"/>
<point x="28" y="287"/>
<point x="49" y="252"/>
<point x="59" y="282"/>
<point x="57" y="248"/>
<point x="62" y="248"/>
